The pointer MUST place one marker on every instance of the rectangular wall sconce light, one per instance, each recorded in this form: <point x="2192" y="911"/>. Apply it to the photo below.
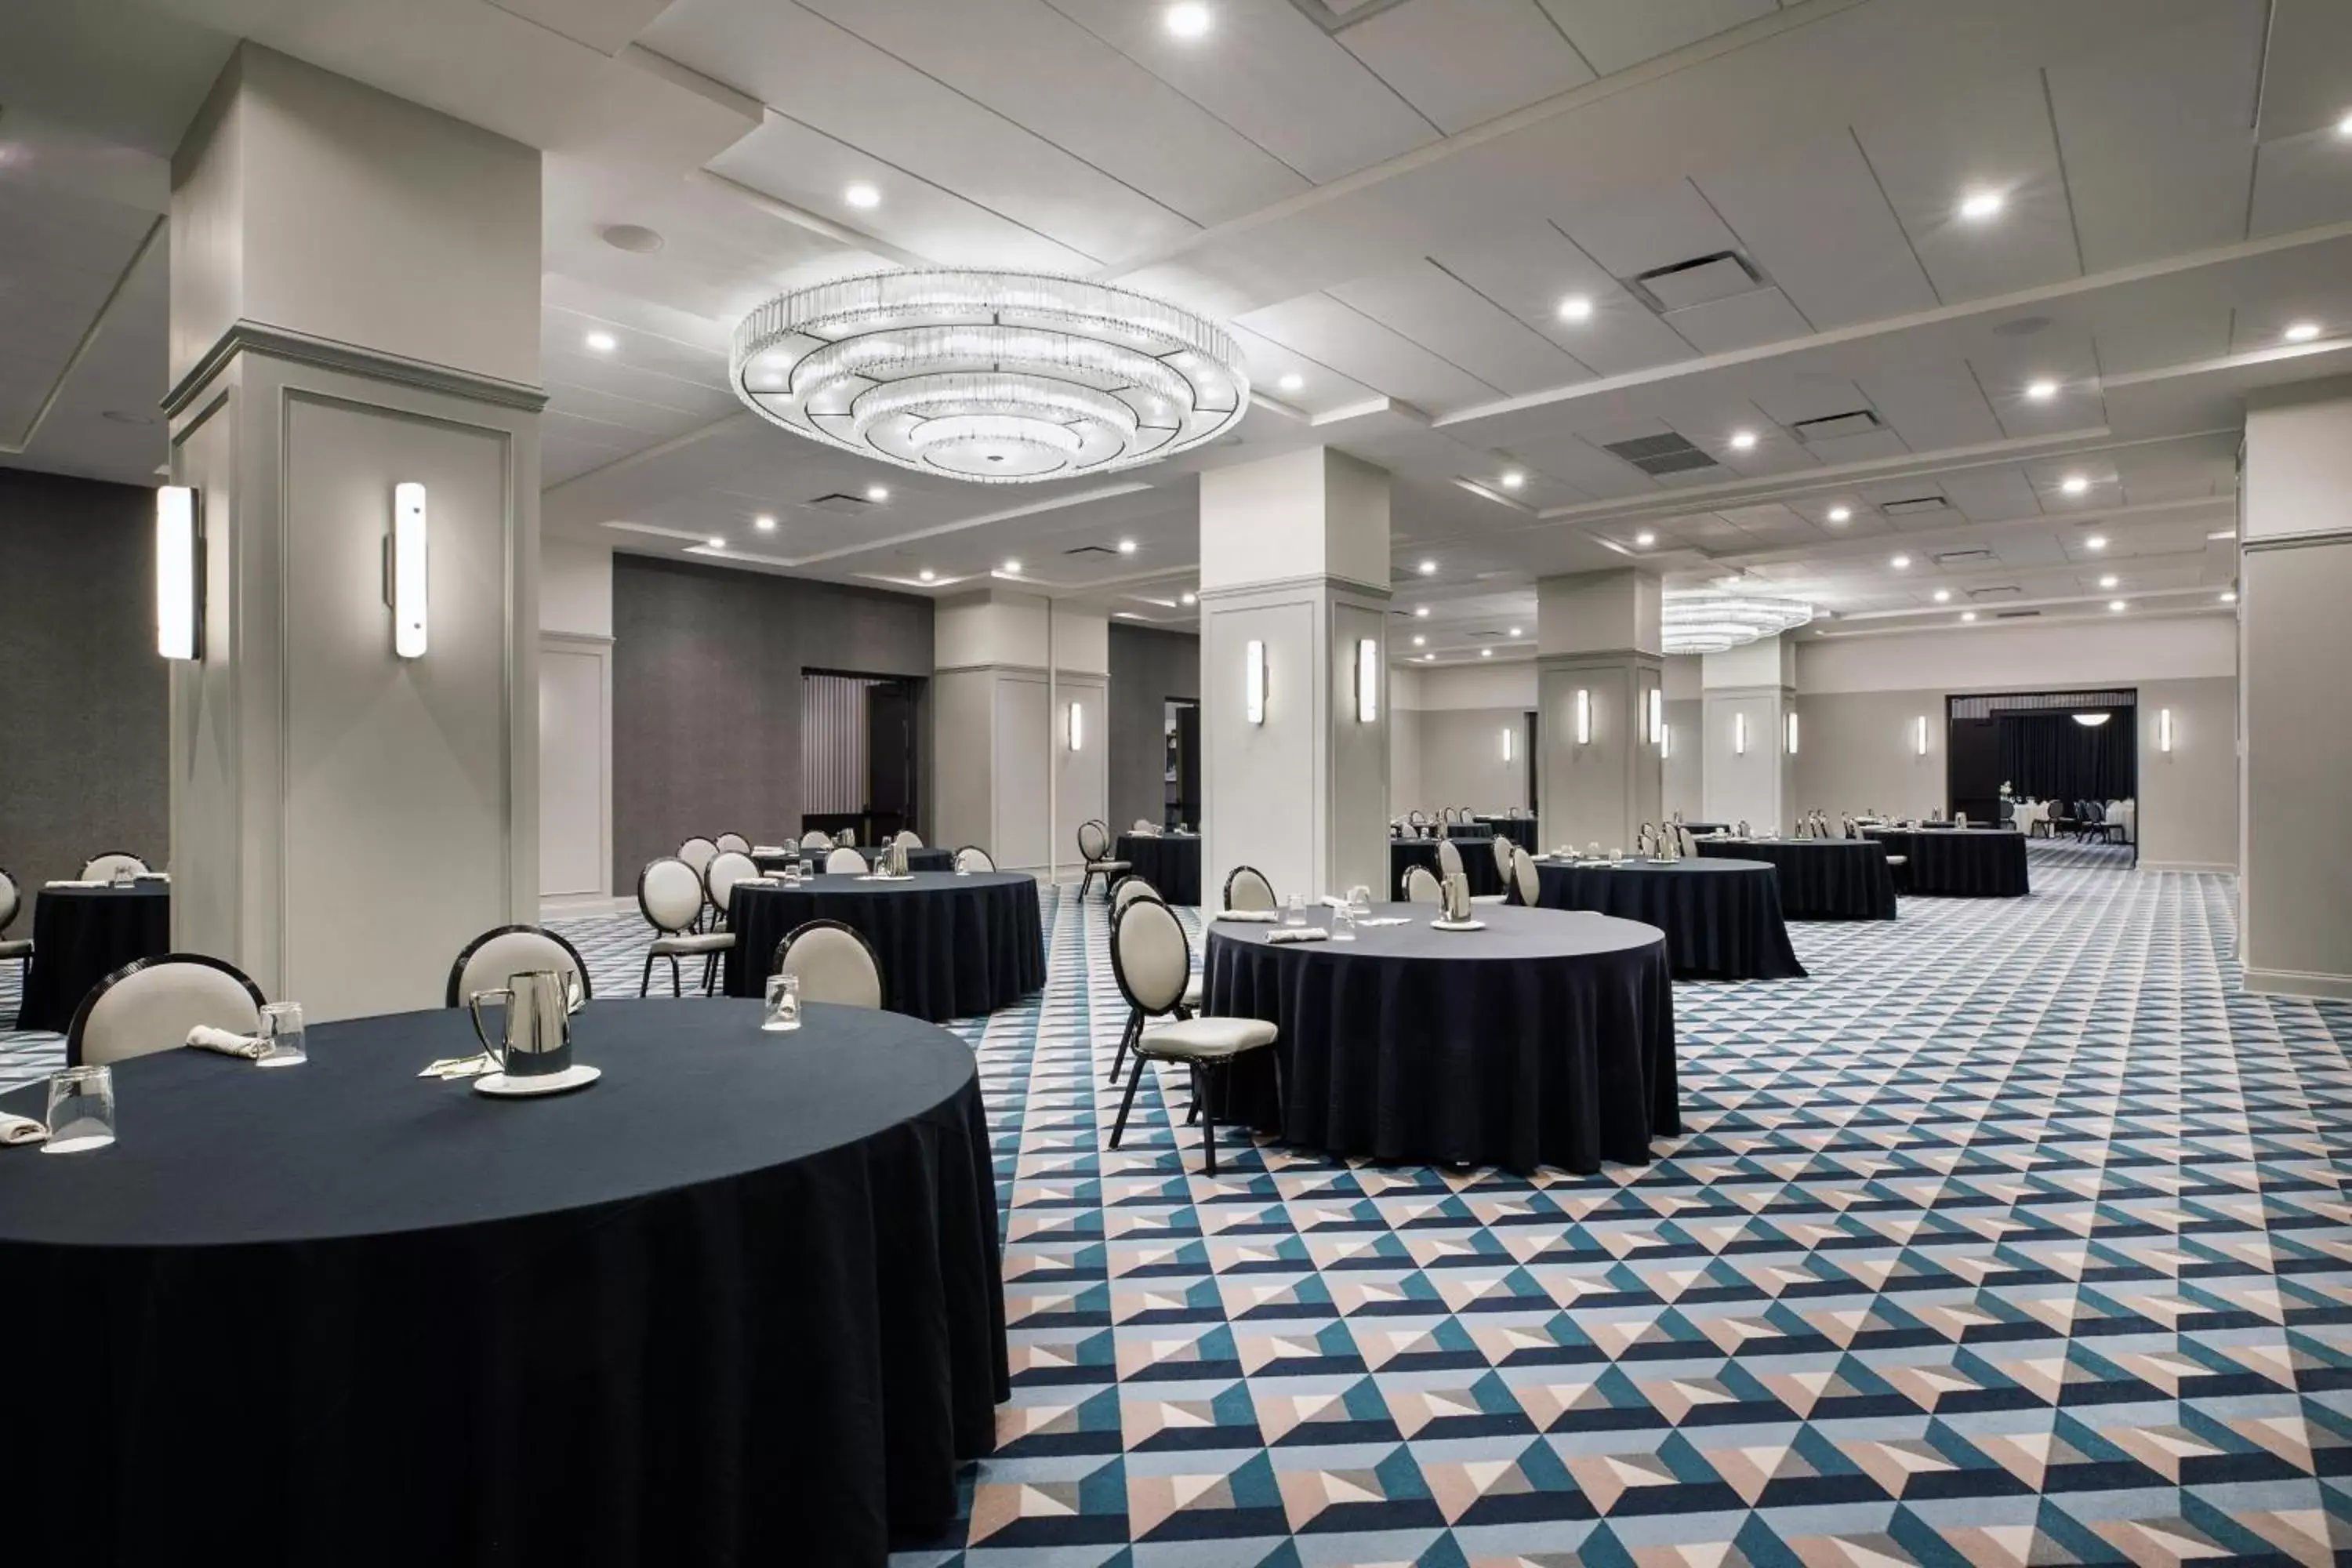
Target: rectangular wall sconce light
<point x="1367" y="679"/>
<point x="1739" y="734"/>
<point x="1077" y="728"/>
<point x="1792" y="734"/>
<point x="2164" y="730"/>
<point x="1254" y="681"/>
<point x="1666" y="743"/>
<point x="1506" y="742"/>
<point x="1919" y="734"/>
<point x="1658" y="717"/>
<point x="179" y="575"/>
<point x="404" y="576"/>
<point x="1583" y="717"/>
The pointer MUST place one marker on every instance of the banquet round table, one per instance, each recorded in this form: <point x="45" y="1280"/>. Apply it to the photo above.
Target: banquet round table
<point x="1958" y="862"/>
<point x="1821" y="879"/>
<point x="950" y="946"/>
<point x="1478" y="863"/>
<point x="813" y="860"/>
<point x="1541" y="1040"/>
<point x="739" y="1300"/>
<point x="81" y="936"/>
<point x="1170" y="862"/>
<point x="1521" y="830"/>
<point x="1722" y="918"/>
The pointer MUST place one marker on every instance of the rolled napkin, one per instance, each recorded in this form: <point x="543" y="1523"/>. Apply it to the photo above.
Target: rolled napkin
<point x="767" y="849"/>
<point x="1299" y="934"/>
<point x="1252" y="917"/>
<point x="205" y="1038"/>
<point x="15" y="1129"/>
<point x="78" y="882"/>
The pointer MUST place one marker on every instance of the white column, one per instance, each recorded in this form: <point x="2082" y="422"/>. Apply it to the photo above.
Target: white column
<point x="1600" y="776"/>
<point x="2295" y="647"/>
<point x="1295" y="563"/>
<point x="1683" y="745"/>
<point x="1746" y="696"/>
<point x="354" y="306"/>
<point x="1081" y="765"/>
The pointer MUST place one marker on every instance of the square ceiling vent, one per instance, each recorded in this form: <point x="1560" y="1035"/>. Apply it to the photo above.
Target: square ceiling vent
<point x="1978" y="557"/>
<point x="1333" y="15"/>
<point x="1667" y="453"/>
<point x="1914" y="506"/>
<point x="1701" y="280"/>
<point x="1999" y="591"/>
<point x="1859" y="422"/>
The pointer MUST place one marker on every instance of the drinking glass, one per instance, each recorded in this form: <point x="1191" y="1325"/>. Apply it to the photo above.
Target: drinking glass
<point x="1295" y="913"/>
<point x="1343" y="923"/>
<point x="792" y="873"/>
<point x="282" y="1026"/>
<point x="81" y="1110"/>
<point x="1360" y="899"/>
<point x="1592" y="850"/>
<point x="1616" y="856"/>
<point x="783" y="1003"/>
<point x="122" y="876"/>
<point x="882" y="863"/>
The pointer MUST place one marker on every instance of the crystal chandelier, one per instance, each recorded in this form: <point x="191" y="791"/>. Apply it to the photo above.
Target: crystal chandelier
<point x="999" y="378"/>
<point x="1712" y="622"/>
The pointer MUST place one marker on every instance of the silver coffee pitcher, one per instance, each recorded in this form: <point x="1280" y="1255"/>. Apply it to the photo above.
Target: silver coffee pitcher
<point x="537" y="1039"/>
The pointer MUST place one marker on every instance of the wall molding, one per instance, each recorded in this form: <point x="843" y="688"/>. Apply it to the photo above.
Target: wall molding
<point x="2220" y="867"/>
<point x="2297" y="982"/>
<point x="2268" y="542"/>
<point x="1308" y="581"/>
<point x="347" y="359"/>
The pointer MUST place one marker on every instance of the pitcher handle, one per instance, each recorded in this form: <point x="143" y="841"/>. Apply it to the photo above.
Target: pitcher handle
<point x="575" y="992"/>
<point x="474" y="1007"/>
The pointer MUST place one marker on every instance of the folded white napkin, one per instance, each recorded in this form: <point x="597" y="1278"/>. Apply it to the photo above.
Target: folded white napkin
<point x="767" y="849"/>
<point x="15" y="1129"/>
<point x="205" y="1038"/>
<point x="1332" y="901"/>
<point x="1385" y="920"/>
<point x="1252" y="917"/>
<point x="1299" y="934"/>
<point x="77" y="882"/>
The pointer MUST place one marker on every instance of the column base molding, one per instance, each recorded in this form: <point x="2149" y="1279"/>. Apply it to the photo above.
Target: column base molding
<point x="2290" y="982"/>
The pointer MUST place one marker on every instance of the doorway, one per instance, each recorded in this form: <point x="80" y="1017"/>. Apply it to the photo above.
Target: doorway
<point x="1181" y="785"/>
<point x="861" y="758"/>
<point x="2079" y="750"/>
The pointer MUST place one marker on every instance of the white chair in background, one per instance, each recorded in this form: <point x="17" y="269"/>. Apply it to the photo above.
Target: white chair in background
<point x="671" y="897"/>
<point x="499" y="955"/>
<point x="735" y="841"/>
<point x="845" y="863"/>
<point x="1503" y="847"/>
<point x="19" y="948"/>
<point x="1528" y="880"/>
<point x="1449" y="858"/>
<point x="813" y="839"/>
<point x="1094" y="847"/>
<point x="909" y="837"/>
<point x="834" y="962"/>
<point x="718" y="878"/>
<point x="1247" y="889"/>
<point x="101" y="867"/>
<point x="973" y="857"/>
<point x="1420" y="886"/>
<point x="697" y="852"/>
<point x="151" y="1005"/>
<point x="1152" y="962"/>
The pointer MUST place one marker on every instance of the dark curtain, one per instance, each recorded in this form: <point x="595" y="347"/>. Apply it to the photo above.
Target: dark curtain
<point x="2048" y="755"/>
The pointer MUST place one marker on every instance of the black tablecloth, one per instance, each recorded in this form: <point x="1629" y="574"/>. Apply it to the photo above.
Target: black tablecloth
<point x="1478" y="862"/>
<point x="1722" y="918"/>
<point x="81" y="936"/>
<point x="1540" y="1040"/>
<point x="1705" y="826"/>
<point x="1170" y="862"/>
<point x="1519" y="830"/>
<point x="738" y="1302"/>
<point x="1961" y="862"/>
<point x="813" y="860"/>
<point x="1821" y="879"/>
<point x="950" y="946"/>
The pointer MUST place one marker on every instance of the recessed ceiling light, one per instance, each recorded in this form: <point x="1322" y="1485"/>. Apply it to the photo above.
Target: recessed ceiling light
<point x="1013" y="568"/>
<point x="927" y="574"/>
<point x="2344" y="126"/>
<point x="1840" y="513"/>
<point x="716" y="543"/>
<point x="1978" y="206"/>
<point x="1900" y="562"/>
<point x="2302" y="331"/>
<point x="1419" y="640"/>
<point x="1742" y="440"/>
<point x="1189" y="599"/>
<point x="1428" y="568"/>
<point x="1645" y="538"/>
<point x="878" y="492"/>
<point x="1943" y="595"/>
<point x="1513" y="478"/>
<point x="1515" y="631"/>
<point x="2109" y="581"/>
<point x="862" y="196"/>
<point x="1485" y="653"/>
<point x="2229" y="596"/>
<point x="1576" y="308"/>
<point x="1127" y="547"/>
<point x="1967" y="614"/>
<point x="2075" y="484"/>
<point x="1293" y="382"/>
<point x="1427" y="656"/>
<point x="1189" y="20"/>
<point x="601" y="343"/>
<point x="764" y="523"/>
<point x="2095" y="542"/>
<point x="2115" y="604"/>
<point x="2042" y="391"/>
<point x="1421" y="611"/>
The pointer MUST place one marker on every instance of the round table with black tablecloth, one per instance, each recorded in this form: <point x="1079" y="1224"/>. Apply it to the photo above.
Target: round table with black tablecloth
<point x="738" y="1301"/>
<point x="1478" y="863"/>
<point x="950" y="946"/>
<point x="81" y="936"/>
<point x="1170" y="862"/>
<point x="1821" y="879"/>
<point x="813" y="860"/>
<point x="1722" y="918"/>
<point x="1521" y="830"/>
<point x="1958" y="862"/>
<point x="1541" y="1040"/>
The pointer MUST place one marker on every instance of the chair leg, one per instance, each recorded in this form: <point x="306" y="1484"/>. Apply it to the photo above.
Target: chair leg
<point x="674" y="988"/>
<point x="1134" y="1027"/>
<point x="646" y="979"/>
<point x="1208" y="1122"/>
<point x="1134" y="1082"/>
<point x="709" y="974"/>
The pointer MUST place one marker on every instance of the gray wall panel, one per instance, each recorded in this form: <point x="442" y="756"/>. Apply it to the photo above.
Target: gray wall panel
<point x="1147" y="667"/>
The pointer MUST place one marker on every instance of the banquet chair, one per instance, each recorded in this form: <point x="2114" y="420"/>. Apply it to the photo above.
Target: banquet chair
<point x="670" y="895"/>
<point x="1420" y="886"/>
<point x="696" y="852"/>
<point x="718" y="878"/>
<point x="101" y="867"/>
<point x="735" y="841"/>
<point x="150" y="1005"/>
<point x="500" y="953"/>
<point x="1449" y="858"/>
<point x="973" y="857"/>
<point x="1094" y="847"/>
<point x="1503" y="847"/>
<point x="1130" y="888"/>
<point x="813" y="839"/>
<point x="1689" y="841"/>
<point x="1526" y="878"/>
<point x="907" y="836"/>
<point x="845" y="863"/>
<point x="1247" y="889"/>
<point x="1152" y="961"/>
<point x="835" y="964"/>
<point x="19" y="948"/>
<point x="1417" y="817"/>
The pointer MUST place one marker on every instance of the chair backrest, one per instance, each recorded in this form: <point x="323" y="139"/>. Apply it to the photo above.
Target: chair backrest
<point x="1449" y="858"/>
<point x="1530" y="880"/>
<point x="669" y="894"/>
<point x="1247" y="889"/>
<point x="1503" y="847"/>
<point x="1689" y="842"/>
<point x="697" y="852"/>
<point x="151" y="1005"/>
<point x="1093" y="841"/>
<point x="11" y="901"/>
<point x="727" y="868"/>
<point x="813" y="839"/>
<point x="1150" y="957"/>
<point x="973" y="857"/>
<point x="497" y="956"/>
<point x="101" y="867"/>
<point x="1420" y="886"/>
<point x="845" y="862"/>
<point x="835" y="964"/>
<point x="1143" y="827"/>
<point x="1130" y="888"/>
<point x="1416" y="816"/>
<point x="907" y="837"/>
<point x="735" y="841"/>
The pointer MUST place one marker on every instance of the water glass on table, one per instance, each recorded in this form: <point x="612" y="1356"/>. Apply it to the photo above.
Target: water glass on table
<point x="783" y="1004"/>
<point x="81" y="1110"/>
<point x="281" y="1027"/>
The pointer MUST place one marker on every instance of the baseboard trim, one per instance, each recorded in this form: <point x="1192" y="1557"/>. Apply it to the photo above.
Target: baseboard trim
<point x="2293" y="982"/>
<point x="578" y="906"/>
<point x="2226" y="868"/>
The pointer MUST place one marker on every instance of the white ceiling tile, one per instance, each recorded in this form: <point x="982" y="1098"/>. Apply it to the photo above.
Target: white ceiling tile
<point x="1332" y="333"/>
<point x="1529" y="272"/>
<point x="1742" y="321"/>
<point x="1632" y="234"/>
<point x="1991" y="495"/>
<point x="2301" y="183"/>
<point x="1612" y="33"/>
<point x="1931" y="405"/>
<point x="1814" y="219"/>
<point x="1444" y="315"/>
<point x="1866" y="448"/>
<point x="2305" y="85"/>
<point x="63" y="253"/>
<point x="1462" y="62"/>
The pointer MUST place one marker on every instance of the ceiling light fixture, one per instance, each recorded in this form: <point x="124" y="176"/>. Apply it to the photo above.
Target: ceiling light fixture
<point x="1967" y="615"/>
<point x="1427" y="568"/>
<point x="878" y="492"/>
<point x="2229" y="596"/>
<point x="1513" y="478"/>
<point x="1576" y="308"/>
<point x="1189" y="20"/>
<point x="926" y="575"/>
<point x="1943" y="595"/>
<point x="1421" y="611"/>
<point x="1714" y="622"/>
<point x="1978" y="206"/>
<point x="1420" y="641"/>
<point x="2042" y="391"/>
<point x="2091" y="721"/>
<point x="1013" y="568"/>
<point x="2095" y="542"/>
<point x="1645" y="538"/>
<point x="764" y="523"/>
<point x="1485" y="653"/>
<point x="1515" y="631"/>
<point x="716" y="543"/>
<point x="1188" y="599"/>
<point x="601" y="343"/>
<point x="1428" y="657"/>
<point x="2115" y="605"/>
<point x="2343" y="126"/>
<point x="2302" y="331"/>
<point x="1293" y="382"/>
<point x="2075" y="485"/>
<point x="862" y="196"/>
<point x="2109" y="581"/>
<point x="1127" y="547"/>
<point x="1743" y="440"/>
<point x="997" y="377"/>
<point x="1840" y="513"/>
<point x="1900" y="563"/>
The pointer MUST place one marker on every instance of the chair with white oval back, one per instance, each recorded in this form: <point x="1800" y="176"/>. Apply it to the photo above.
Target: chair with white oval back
<point x="697" y="851"/>
<point x="846" y="862"/>
<point x="727" y="868"/>
<point x="1247" y="889"/>
<point x="1503" y="846"/>
<point x="1449" y="858"/>
<point x="834" y="962"/>
<point x="500" y="953"/>
<point x="671" y="896"/>
<point x="19" y="948"/>
<point x="1128" y="889"/>
<point x="1094" y="847"/>
<point x="909" y="837"/>
<point x="151" y="1005"/>
<point x="973" y="857"/>
<point x="101" y="867"/>
<point x="1525" y="877"/>
<point x="734" y="841"/>
<point x="1420" y="886"/>
<point x="813" y="839"/>
<point x="1152" y="961"/>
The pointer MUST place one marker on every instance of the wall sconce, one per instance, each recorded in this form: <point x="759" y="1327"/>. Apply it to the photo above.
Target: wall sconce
<point x="2164" y="730"/>
<point x="1658" y="717"/>
<point x="1739" y="734"/>
<point x="179" y="575"/>
<point x="1919" y="734"/>
<point x="1666" y="743"/>
<point x="1506" y="742"/>
<point x="404" y="578"/>
<point x="1792" y="734"/>
<point x="1077" y="728"/>
<point x="1583" y="717"/>
<point x="1254" y="681"/>
<point x="1367" y="679"/>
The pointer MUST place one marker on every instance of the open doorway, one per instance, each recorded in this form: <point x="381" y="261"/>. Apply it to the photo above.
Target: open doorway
<point x="2075" y="755"/>
<point x="861" y="760"/>
<point x="1180" y="794"/>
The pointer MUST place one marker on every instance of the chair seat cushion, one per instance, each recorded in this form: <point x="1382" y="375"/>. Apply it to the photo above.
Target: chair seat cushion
<point x="1206" y="1039"/>
<point x="1109" y="864"/>
<point x="20" y="948"/>
<point x="694" y="942"/>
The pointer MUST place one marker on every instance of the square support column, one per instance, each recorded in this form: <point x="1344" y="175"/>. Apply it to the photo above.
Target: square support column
<point x="1599" y="772"/>
<point x="1746" y="696"/>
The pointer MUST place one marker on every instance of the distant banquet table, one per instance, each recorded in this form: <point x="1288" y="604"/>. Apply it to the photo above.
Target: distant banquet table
<point x="950" y="946"/>
<point x="81" y="936"/>
<point x="1521" y="830"/>
<point x="1722" y="918"/>
<point x="739" y="1300"/>
<point x="813" y="860"/>
<point x="1478" y="862"/>
<point x="1821" y="879"/>
<point x="1958" y="862"/>
<point x="1536" y="1041"/>
<point x="1704" y="826"/>
<point x="1170" y="862"/>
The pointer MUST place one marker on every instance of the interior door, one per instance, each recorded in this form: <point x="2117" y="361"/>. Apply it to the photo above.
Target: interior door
<point x="889" y="759"/>
<point x="1188" y="763"/>
<point x="1973" y="781"/>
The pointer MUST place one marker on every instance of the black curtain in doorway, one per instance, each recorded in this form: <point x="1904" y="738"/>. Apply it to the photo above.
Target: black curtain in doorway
<point x="2049" y="756"/>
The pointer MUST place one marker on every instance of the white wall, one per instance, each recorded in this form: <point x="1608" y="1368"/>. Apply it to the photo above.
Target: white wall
<point x="2121" y="652"/>
<point x="1446" y="738"/>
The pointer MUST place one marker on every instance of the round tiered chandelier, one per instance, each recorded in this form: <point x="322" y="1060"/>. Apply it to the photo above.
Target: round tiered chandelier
<point x="1714" y="622"/>
<point x="998" y="377"/>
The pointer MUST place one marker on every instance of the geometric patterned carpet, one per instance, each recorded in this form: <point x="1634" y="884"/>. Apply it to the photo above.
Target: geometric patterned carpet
<point x="2015" y="1235"/>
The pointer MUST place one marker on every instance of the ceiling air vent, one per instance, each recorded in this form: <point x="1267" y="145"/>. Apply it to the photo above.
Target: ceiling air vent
<point x="1916" y="506"/>
<point x="854" y="506"/>
<point x="1999" y="591"/>
<point x="1667" y="453"/>
<point x="1333" y="15"/>
<point x="1861" y="422"/>
<point x="1963" y="557"/>
<point x="2014" y="614"/>
<point x="1700" y="281"/>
